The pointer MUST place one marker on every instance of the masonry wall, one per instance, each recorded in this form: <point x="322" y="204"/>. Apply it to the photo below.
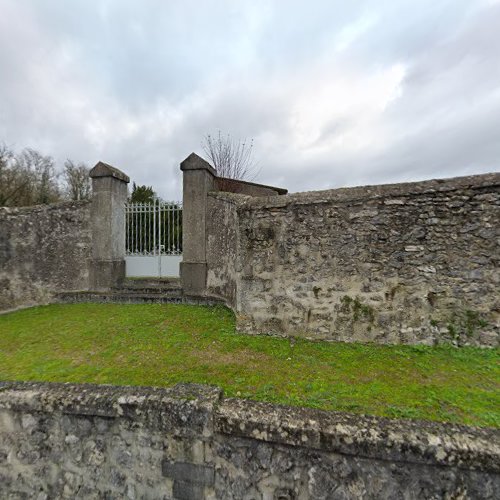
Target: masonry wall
<point x="403" y="263"/>
<point x="43" y="250"/>
<point x="189" y="442"/>
<point x="222" y="247"/>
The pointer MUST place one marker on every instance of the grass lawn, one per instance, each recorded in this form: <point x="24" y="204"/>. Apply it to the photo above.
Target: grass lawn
<point x="161" y="345"/>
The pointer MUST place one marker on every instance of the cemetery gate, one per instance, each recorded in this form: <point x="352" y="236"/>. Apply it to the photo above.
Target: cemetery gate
<point x="153" y="238"/>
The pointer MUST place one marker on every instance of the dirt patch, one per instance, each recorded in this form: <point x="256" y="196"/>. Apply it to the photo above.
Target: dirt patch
<point x="241" y="356"/>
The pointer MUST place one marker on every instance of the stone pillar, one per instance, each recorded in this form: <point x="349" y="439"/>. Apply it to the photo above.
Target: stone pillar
<point x="109" y="194"/>
<point x="198" y="179"/>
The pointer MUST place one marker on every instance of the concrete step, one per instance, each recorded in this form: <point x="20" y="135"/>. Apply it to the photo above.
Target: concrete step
<point x="151" y="290"/>
<point x="133" y="298"/>
<point x="166" y="286"/>
<point x="170" y="287"/>
<point x="134" y="283"/>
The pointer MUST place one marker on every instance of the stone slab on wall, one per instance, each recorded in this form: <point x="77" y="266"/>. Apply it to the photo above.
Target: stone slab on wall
<point x="247" y="188"/>
<point x="403" y="263"/>
<point x="188" y="442"/>
<point x="43" y="250"/>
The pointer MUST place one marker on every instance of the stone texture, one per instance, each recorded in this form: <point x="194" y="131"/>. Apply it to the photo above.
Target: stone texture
<point x="70" y="441"/>
<point x="199" y="215"/>
<point x="64" y="247"/>
<point x="362" y="436"/>
<point x="85" y="441"/>
<point x="413" y="263"/>
<point x="102" y="169"/>
<point x="43" y="250"/>
<point x="222" y="247"/>
<point x="109" y="195"/>
<point x="198" y="179"/>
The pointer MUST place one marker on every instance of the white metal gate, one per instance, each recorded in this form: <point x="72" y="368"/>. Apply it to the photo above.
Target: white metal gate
<point x="153" y="238"/>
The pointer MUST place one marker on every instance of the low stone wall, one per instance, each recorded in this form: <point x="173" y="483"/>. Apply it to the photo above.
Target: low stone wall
<point x="43" y="250"/>
<point x="403" y="263"/>
<point x="188" y="442"/>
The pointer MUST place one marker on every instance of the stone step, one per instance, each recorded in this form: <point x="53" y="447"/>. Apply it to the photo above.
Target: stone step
<point x="151" y="290"/>
<point x="134" y="298"/>
<point x="134" y="283"/>
<point x="163" y="286"/>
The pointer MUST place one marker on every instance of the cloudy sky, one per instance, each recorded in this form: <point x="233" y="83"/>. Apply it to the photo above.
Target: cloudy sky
<point x="333" y="93"/>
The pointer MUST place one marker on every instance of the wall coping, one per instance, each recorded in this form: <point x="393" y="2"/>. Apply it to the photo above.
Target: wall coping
<point x="279" y="191"/>
<point x="194" y="408"/>
<point x="415" y="441"/>
<point x="187" y="408"/>
<point x="195" y="162"/>
<point x="365" y="193"/>
<point x="39" y="208"/>
<point x="102" y="169"/>
<point x="100" y="400"/>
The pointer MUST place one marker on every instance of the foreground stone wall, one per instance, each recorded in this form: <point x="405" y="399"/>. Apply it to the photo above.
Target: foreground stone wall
<point x="403" y="263"/>
<point x="43" y="250"/>
<point x="70" y="441"/>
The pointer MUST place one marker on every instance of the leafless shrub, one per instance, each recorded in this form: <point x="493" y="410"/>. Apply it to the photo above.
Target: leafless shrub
<point x="78" y="185"/>
<point x="233" y="159"/>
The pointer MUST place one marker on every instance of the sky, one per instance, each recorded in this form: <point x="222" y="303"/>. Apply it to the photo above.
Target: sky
<point x="332" y="93"/>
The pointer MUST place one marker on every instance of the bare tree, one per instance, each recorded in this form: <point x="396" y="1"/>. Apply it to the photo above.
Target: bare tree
<point x="12" y="182"/>
<point x="28" y="178"/>
<point x="233" y="159"/>
<point x="39" y="170"/>
<point x="76" y="177"/>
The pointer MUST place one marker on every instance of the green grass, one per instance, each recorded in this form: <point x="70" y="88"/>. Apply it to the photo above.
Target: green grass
<point x="161" y="345"/>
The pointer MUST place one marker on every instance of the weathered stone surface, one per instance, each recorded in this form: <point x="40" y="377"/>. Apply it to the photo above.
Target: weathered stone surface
<point x="102" y="169"/>
<point x="361" y="436"/>
<point x="204" y="222"/>
<point x="64" y="247"/>
<point x="413" y="263"/>
<point x="43" y="250"/>
<point x="71" y="441"/>
<point x="222" y="247"/>
<point x="305" y="474"/>
<point x="198" y="179"/>
<point x="107" y="223"/>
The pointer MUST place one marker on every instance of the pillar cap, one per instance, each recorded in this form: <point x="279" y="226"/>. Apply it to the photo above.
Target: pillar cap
<point x="102" y="169"/>
<point x="195" y="162"/>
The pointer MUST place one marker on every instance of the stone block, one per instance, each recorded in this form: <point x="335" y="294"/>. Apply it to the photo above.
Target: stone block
<point x="185" y="490"/>
<point x="194" y="277"/>
<point x="203" y="475"/>
<point x="107" y="274"/>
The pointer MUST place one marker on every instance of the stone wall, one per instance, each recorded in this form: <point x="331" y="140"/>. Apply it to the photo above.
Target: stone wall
<point x="188" y="442"/>
<point x="403" y="263"/>
<point x="222" y="247"/>
<point x="202" y="226"/>
<point x="43" y="250"/>
<point x="51" y="249"/>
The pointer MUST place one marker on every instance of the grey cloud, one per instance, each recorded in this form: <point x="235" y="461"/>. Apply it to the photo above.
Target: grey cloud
<point x="140" y="84"/>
